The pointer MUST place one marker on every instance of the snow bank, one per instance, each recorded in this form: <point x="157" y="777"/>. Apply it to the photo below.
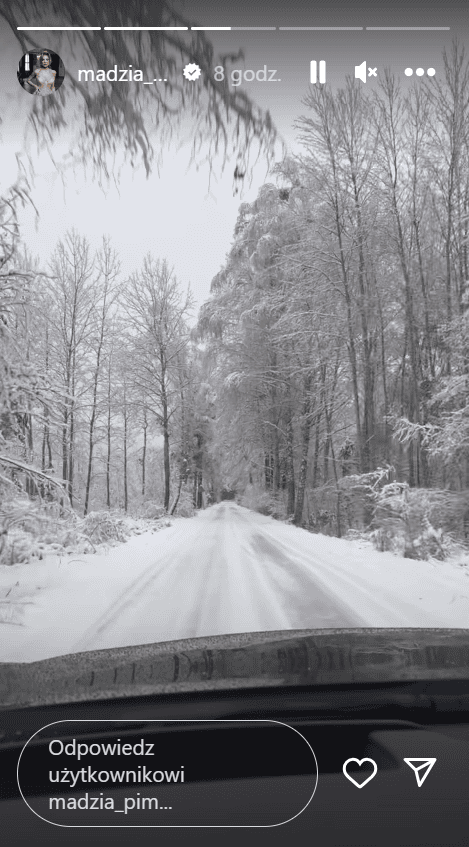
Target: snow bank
<point x="382" y="588"/>
<point x="64" y="595"/>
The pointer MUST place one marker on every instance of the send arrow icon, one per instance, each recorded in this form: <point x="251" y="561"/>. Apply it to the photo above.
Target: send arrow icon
<point x="421" y="768"/>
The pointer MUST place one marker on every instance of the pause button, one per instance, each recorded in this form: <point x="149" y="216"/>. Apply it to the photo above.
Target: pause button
<point x="314" y="72"/>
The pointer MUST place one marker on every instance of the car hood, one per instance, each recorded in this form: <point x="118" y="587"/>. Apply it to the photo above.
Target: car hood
<point x="243" y="660"/>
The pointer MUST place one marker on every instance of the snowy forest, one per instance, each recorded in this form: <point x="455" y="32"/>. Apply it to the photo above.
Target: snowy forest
<point x="325" y="380"/>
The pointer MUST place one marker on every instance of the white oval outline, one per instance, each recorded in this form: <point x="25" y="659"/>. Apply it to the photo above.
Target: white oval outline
<point x="169" y="720"/>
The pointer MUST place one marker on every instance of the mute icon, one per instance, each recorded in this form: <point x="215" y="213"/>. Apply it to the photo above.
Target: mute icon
<point x="360" y="71"/>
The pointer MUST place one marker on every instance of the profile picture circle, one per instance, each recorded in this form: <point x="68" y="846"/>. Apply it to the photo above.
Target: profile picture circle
<point x="41" y="72"/>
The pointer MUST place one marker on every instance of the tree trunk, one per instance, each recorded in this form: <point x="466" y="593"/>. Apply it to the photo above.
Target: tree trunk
<point x="165" y="424"/>
<point x="71" y="457"/>
<point x="90" y="462"/>
<point x="290" y="469"/>
<point x="368" y="375"/>
<point x="305" y="432"/>
<point x="144" y="456"/>
<point x="126" y="489"/>
<point x="166" y="465"/>
<point x="65" y="446"/>
<point x="178" y="494"/>
<point x="351" y="334"/>
<point x="317" y="423"/>
<point x="46" y="453"/>
<point x="108" y="454"/>
<point x="276" y="460"/>
<point x="71" y="443"/>
<point x="94" y="405"/>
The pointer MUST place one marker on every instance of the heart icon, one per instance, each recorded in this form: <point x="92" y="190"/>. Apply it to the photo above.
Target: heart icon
<point x="360" y="762"/>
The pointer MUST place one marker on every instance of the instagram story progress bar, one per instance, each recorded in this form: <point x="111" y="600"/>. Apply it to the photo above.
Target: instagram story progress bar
<point x="314" y="72"/>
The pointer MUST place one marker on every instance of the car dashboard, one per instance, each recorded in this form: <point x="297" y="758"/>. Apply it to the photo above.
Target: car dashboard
<point x="256" y="762"/>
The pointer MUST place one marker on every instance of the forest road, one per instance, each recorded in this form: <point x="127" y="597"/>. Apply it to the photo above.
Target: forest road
<point x="230" y="570"/>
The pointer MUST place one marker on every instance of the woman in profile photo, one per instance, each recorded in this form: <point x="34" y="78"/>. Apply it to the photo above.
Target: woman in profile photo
<point x="45" y="76"/>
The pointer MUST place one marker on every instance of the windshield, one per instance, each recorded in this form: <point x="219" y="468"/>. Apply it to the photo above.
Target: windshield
<point x="234" y="324"/>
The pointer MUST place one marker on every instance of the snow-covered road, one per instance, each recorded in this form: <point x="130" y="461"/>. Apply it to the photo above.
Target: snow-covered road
<point x="229" y="570"/>
<point x="223" y="573"/>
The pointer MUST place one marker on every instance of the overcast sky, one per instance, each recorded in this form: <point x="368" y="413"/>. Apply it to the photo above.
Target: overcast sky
<point x="174" y="214"/>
